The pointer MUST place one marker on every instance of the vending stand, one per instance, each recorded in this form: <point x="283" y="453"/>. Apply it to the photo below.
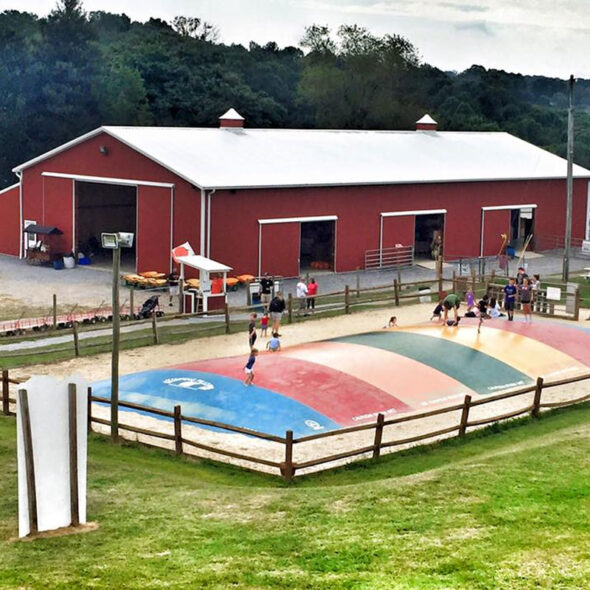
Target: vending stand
<point x="212" y="291"/>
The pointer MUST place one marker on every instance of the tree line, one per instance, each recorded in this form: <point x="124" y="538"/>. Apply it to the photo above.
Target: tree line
<point x="72" y="71"/>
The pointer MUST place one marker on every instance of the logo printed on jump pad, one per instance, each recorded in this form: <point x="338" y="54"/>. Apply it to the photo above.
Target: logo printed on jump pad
<point x="189" y="383"/>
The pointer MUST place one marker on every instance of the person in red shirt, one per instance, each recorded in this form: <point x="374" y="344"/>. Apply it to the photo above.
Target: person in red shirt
<point x="312" y="289"/>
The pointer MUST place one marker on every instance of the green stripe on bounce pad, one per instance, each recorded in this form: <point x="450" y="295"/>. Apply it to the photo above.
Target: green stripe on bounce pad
<point x="476" y="370"/>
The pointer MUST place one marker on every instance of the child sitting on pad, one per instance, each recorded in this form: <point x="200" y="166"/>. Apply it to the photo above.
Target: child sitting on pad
<point x="274" y="344"/>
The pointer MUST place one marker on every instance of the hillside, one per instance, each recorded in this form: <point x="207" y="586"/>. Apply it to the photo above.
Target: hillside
<point x="507" y="508"/>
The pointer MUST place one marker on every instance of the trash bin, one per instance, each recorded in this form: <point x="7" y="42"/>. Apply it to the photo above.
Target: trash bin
<point x="69" y="261"/>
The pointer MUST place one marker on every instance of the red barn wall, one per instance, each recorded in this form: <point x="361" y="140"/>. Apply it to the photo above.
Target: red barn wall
<point x="153" y="228"/>
<point x="235" y="214"/>
<point x="120" y="162"/>
<point x="496" y="223"/>
<point x="10" y="216"/>
<point x="399" y="230"/>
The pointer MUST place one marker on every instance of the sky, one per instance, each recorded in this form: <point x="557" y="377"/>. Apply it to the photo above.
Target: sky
<point x="544" y="37"/>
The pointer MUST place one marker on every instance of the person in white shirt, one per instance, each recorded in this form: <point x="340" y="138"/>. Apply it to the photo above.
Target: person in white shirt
<point x="301" y="294"/>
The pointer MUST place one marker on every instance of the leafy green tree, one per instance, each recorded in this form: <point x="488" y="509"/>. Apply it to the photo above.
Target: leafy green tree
<point x="196" y="28"/>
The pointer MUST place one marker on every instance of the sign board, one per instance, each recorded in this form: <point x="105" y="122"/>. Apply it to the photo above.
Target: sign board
<point x="586" y="246"/>
<point x="425" y="295"/>
<point x="43" y="434"/>
<point x="554" y="293"/>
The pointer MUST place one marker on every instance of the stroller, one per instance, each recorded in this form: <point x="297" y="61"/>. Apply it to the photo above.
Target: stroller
<point x="149" y="307"/>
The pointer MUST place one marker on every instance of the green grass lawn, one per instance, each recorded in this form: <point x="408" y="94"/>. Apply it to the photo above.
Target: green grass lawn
<point x="509" y="508"/>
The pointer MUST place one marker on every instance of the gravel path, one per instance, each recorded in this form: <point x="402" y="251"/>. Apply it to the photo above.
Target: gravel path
<point x="22" y="285"/>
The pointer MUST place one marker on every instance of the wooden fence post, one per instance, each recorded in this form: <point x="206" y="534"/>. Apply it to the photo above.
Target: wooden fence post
<point x="73" y="440"/>
<point x="346" y="299"/>
<point x="396" y="292"/>
<point x="454" y="281"/>
<point x="131" y="302"/>
<point x="5" y="393"/>
<point x="577" y="304"/>
<point x="287" y="469"/>
<point x="155" y="329"/>
<point x="358" y="283"/>
<point x="178" y="430"/>
<point x="537" y="399"/>
<point x="290" y="308"/>
<point x="181" y="297"/>
<point x="226" y="314"/>
<point x="29" y="460"/>
<point x="473" y="274"/>
<point x="76" y="341"/>
<point x="465" y="415"/>
<point x="439" y="273"/>
<point x="89" y="410"/>
<point x="378" y="436"/>
<point x="54" y="311"/>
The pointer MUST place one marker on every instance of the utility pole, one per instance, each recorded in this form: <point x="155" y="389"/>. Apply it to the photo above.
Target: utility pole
<point x="115" y="352"/>
<point x="570" y="183"/>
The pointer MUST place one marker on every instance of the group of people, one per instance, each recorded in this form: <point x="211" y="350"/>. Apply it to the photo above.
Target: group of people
<point x="521" y="289"/>
<point x="274" y="307"/>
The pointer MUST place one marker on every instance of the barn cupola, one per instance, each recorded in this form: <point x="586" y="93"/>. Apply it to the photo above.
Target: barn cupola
<point x="231" y="119"/>
<point x="426" y="123"/>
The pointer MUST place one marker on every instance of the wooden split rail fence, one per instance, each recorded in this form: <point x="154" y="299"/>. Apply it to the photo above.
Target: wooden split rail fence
<point x="288" y="467"/>
<point x="230" y="319"/>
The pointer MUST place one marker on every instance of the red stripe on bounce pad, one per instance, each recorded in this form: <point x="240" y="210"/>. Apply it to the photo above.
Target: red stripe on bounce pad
<point x="339" y="396"/>
<point x="408" y="380"/>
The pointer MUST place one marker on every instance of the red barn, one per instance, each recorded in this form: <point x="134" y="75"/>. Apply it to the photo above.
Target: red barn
<point x="278" y="200"/>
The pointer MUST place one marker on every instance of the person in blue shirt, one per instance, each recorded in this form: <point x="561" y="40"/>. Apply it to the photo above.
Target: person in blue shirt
<point x="510" y="298"/>
<point x="274" y="344"/>
<point x="249" y="368"/>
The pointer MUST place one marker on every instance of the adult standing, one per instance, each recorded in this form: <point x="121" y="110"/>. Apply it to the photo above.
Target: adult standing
<point x="301" y="294"/>
<point x="252" y="330"/>
<point x="451" y="301"/>
<point x="266" y="285"/>
<point x="276" y="308"/>
<point x="510" y="298"/>
<point x="312" y="290"/>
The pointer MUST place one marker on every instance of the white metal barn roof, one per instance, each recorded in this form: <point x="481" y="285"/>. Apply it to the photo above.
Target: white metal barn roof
<point x="249" y="158"/>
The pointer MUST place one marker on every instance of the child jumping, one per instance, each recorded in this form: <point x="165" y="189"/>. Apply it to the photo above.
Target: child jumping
<point x="249" y="368"/>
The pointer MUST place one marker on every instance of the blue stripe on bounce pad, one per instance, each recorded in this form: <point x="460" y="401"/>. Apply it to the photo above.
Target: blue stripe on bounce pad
<point x="217" y="398"/>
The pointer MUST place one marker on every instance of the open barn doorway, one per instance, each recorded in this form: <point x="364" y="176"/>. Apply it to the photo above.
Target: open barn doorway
<point x="317" y="245"/>
<point x="522" y="222"/>
<point x="105" y="208"/>
<point x="428" y="238"/>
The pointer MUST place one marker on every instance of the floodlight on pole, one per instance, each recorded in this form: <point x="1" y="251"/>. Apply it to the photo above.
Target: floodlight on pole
<point x="114" y="242"/>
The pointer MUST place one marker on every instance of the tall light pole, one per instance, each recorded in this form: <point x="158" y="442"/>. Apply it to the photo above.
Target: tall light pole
<point x="115" y="242"/>
<point x="570" y="183"/>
